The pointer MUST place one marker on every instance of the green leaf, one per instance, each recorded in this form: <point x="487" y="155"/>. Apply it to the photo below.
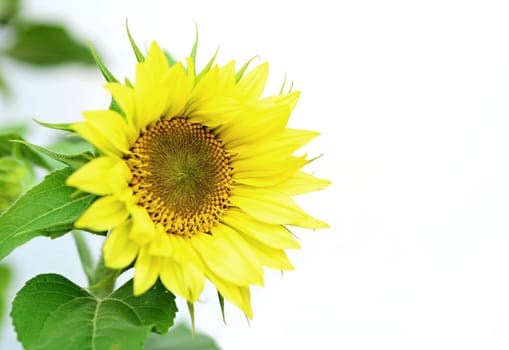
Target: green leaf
<point x="9" y="10"/>
<point x="48" y="209"/>
<point x="14" y="128"/>
<point x="47" y="44"/>
<point x="9" y="148"/>
<point x="181" y="337"/>
<point x="71" y="144"/>
<point x="51" y="313"/>
<point x="4" y="86"/>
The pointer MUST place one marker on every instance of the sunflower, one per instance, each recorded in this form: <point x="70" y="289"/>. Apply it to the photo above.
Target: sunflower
<point x="194" y="177"/>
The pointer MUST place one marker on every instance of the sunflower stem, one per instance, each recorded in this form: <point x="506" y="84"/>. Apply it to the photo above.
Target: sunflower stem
<point x="103" y="280"/>
<point x="87" y="262"/>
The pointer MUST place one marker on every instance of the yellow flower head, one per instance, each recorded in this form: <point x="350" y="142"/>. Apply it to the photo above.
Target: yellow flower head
<point x="195" y="178"/>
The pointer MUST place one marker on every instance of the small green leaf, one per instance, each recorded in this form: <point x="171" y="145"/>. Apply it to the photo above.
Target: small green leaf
<point x="16" y="176"/>
<point x="9" y="148"/>
<point x="181" y="337"/>
<point x="47" y="44"/>
<point x="137" y="52"/>
<point x="74" y="161"/>
<point x="48" y="209"/>
<point x="50" y="312"/>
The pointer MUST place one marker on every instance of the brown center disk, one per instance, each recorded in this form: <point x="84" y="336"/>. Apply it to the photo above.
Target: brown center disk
<point x="181" y="175"/>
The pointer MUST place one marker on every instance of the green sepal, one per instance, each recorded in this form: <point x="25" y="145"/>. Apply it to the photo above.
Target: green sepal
<point x="102" y="67"/>
<point x="314" y="158"/>
<point x="56" y="126"/>
<point x="139" y="56"/>
<point x="242" y="69"/>
<point x="115" y="107"/>
<point x="47" y="209"/>
<point x="127" y="82"/>
<point x="190" y="308"/>
<point x="171" y="60"/>
<point x="221" y="304"/>
<point x="206" y="69"/>
<point x="74" y="161"/>
<point x="194" y="50"/>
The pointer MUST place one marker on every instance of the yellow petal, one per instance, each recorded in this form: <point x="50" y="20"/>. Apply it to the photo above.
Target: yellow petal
<point x="125" y="97"/>
<point x="183" y="279"/>
<point x="111" y="126"/>
<point x="261" y="167"/>
<point x="105" y="213"/>
<point x="143" y="230"/>
<point x="102" y="175"/>
<point x="151" y="87"/>
<point x="119" y="251"/>
<point x="179" y="86"/>
<point x="160" y="245"/>
<point x="275" y="236"/>
<point x="289" y="99"/>
<point x="235" y="294"/>
<point x="271" y="257"/>
<point x="299" y="183"/>
<point x="272" y="207"/>
<point x="96" y="138"/>
<point x="254" y="123"/>
<point x="146" y="271"/>
<point x="225" y="260"/>
<point x="183" y="251"/>
<point x="251" y="86"/>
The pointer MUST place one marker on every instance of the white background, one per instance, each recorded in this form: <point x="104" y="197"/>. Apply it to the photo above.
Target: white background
<point x="412" y="99"/>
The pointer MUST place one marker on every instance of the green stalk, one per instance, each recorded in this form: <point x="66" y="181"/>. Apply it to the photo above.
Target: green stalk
<point x="101" y="280"/>
<point x="87" y="262"/>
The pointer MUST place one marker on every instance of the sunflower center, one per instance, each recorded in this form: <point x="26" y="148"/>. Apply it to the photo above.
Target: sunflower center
<point x="181" y="175"/>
